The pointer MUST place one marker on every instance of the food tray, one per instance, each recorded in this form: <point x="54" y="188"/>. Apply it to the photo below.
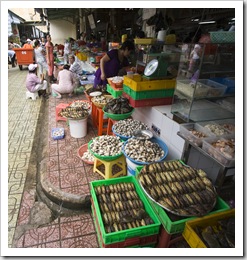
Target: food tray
<point x="57" y="133"/>
<point x="143" y="84"/>
<point x="228" y="124"/>
<point x="188" y="176"/>
<point x="229" y="83"/>
<point x="114" y="91"/>
<point x="104" y="158"/>
<point x="118" y="116"/>
<point x="217" y="129"/>
<point x="212" y="151"/>
<point x="137" y="95"/>
<point x="215" y="89"/>
<point x="129" y="242"/>
<point x="222" y="37"/>
<point x="115" y="237"/>
<point x="190" y="234"/>
<point x="154" y="140"/>
<point x="191" y="89"/>
<point x="184" y="130"/>
<point x="148" y="102"/>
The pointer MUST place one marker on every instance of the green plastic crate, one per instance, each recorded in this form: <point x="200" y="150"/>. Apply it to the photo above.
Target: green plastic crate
<point x="138" y="95"/>
<point x="113" y="92"/>
<point x="174" y="227"/>
<point x="114" y="237"/>
<point x="100" y="240"/>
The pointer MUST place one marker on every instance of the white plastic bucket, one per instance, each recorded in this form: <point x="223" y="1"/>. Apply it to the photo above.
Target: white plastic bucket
<point x="78" y="128"/>
<point x="131" y="167"/>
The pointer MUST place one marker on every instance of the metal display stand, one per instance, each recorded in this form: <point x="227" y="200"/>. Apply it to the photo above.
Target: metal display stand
<point x="222" y="171"/>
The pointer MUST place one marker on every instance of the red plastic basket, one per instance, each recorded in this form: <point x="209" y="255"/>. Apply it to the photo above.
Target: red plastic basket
<point x="81" y="151"/>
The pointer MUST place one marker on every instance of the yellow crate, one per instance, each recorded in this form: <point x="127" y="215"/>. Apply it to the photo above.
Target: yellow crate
<point x="145" y="40"/>
<point x="142" y="84"/>
<point x="191" y="236"/>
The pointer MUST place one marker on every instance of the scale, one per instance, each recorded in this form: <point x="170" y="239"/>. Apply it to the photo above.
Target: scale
<point x="157" y="68"/>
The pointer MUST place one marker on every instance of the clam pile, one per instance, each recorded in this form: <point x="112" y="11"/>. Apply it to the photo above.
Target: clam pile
<point x="106" y="145"/>
<point x="126" y="127"/>
<point x="143" y="150"/>
<point x="121" y="208"/>
<point x="180" y="189"/>
<point x="80" y="103"/>
<point x="101" y="100"/>
<point x="74" y="112"/>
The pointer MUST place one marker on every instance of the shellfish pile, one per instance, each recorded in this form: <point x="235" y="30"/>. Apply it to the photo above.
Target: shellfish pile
<point x="180" y="189"/>
<point x="127" y="126"/>
<point x="121" y="208"/>
<point x="118" y="105"/>
<point x="106" y="145"/>
<point x="74" y="112"/>
<point x="80" y="103"/>
<point x="143" y="150"/>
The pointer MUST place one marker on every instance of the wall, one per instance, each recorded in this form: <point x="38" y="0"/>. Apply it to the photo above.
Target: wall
<point x="61" y="30"/>
<point x="161" y="117"/>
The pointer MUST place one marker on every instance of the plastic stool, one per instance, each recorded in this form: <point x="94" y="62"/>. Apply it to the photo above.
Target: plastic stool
<point x="99" y="120"/>
<point x="120" y="162"/>
<point x="58" y="109"/>
<point x="111" y="122"/>
<point x="31" y="95"/>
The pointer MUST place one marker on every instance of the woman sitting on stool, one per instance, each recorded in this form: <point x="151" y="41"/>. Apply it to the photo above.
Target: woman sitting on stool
<point x="34" y="83"/>
<point x="65" y="83"/>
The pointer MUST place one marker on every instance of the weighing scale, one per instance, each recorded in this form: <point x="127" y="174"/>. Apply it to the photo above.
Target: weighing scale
<point x="157" y="68"/>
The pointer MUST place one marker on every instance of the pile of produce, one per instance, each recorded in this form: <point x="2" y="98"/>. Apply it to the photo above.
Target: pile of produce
<point x="106" y="145"/>
<point x="143" y="150"/>
<point x="127" y="126"/>
<point x="74" y="112"/>
<point x="118" y="105"/>
<point x="121" y="208"/>
<point x="180" y="189"/>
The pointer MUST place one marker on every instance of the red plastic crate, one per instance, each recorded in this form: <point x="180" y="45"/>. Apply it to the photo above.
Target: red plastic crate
<point x="148" y="102"/>
<point x="166" y="239"/>
<point x="129" y="242"/>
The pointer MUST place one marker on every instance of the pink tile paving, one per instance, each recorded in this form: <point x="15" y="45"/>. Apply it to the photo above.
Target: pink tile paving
<point x="89" y="241"/>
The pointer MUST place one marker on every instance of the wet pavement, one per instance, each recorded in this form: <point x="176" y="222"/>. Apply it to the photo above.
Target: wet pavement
<point x="29" y="146"/>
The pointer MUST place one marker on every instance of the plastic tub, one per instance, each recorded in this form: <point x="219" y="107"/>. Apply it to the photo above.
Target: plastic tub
<point x="229" y="83"/>
<point x="185" y="131"/>
<point x="57" y="133"/>
<point x="113" y="91"/>
<point x="214" y="128"/>
<point x="118" y="116"/>
<point x="215" y="89"/>
<point x="81" y="151"/>
<point x="154" y="140"/>
<point x="207" y="146"/>
<point x="228" y="124"/>
<point x="78" y="128"/>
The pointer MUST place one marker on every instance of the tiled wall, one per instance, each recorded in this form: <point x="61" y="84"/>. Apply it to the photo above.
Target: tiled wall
<point x="161" y="117"/>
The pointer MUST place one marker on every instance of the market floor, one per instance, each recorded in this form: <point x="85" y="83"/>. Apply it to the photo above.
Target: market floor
<point x="65" y="171"/>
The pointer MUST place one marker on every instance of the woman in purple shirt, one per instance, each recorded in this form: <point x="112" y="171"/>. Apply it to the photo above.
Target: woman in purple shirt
<point x="112" y="62"/>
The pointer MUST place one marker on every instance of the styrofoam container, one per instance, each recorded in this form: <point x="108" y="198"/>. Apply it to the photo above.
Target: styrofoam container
<point x="185" y="131"/>
<point x="218" y="155"/>
<point x="214" y="89"/>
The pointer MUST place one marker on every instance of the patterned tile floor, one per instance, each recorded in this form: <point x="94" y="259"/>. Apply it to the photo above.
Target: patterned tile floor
<point x="65" y="171"/>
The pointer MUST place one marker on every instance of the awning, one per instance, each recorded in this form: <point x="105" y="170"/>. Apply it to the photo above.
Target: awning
<point x="16" y="20"/>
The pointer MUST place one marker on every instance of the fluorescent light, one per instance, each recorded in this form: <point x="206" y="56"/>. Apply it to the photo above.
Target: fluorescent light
<point x="98" y="21"/>
<point x="206" y="22"/>
<point x="233" y="19"/>
<point x="127" y="29"/>
<point x="194" y="20"/>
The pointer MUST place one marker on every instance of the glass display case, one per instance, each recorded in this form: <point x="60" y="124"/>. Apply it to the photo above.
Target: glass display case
<point x="206" y="77"/>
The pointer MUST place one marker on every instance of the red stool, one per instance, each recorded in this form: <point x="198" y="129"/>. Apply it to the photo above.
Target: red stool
<point x="98" y="119"/>
<point x="58" y="109"/>
<point x="111" y="122"/>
